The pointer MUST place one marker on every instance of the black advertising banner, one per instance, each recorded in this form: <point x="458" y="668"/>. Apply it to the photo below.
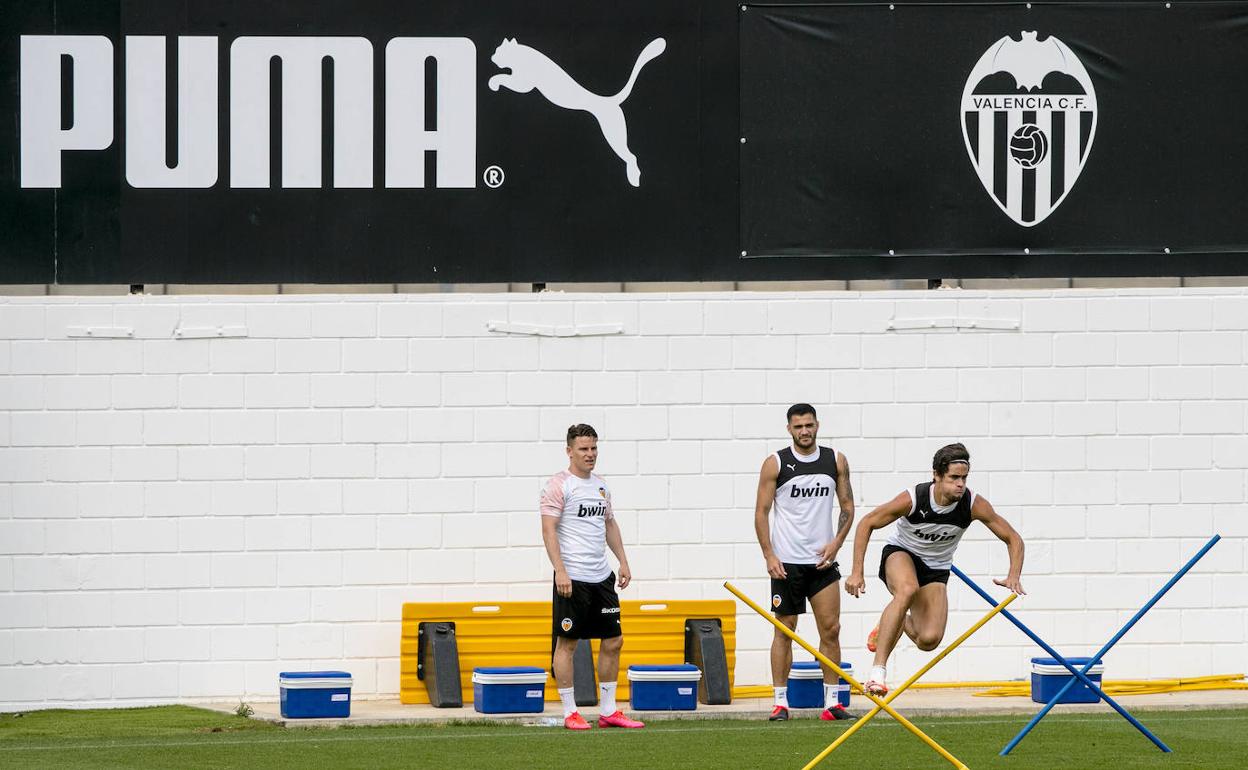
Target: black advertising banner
<point x="352" y="141"/>
<point x="1023" y="129"/>
<point x="364" y="140"/>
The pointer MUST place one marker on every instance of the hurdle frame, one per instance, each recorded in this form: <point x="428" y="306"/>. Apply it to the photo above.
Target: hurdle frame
<point x="1121" y="632"/>
<point x="1093" y="686"/>
<point x="848" y="678"/>
<point x="1000" y="607"/>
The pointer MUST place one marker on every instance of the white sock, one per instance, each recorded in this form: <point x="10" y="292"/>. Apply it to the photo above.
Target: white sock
<point x="782" y="696"/>
<point x="606" y="699"/>
<point x="878" y="673"/>
<point x="566" y="694"/>
<point x="829" y="696"/>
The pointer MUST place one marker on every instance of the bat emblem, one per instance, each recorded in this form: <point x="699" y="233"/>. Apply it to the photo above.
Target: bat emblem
<point x="1028" y="118"/>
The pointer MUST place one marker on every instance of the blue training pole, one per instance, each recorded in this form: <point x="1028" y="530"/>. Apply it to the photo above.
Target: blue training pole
<point x="1156" y="597"/>
<point x="1078" y="674"/>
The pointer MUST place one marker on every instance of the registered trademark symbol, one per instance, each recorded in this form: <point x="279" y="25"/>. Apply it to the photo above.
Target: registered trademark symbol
<point x="494" y="176"/>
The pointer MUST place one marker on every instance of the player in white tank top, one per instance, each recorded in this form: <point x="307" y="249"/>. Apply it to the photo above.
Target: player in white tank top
<point x="796" y="487"/>
<point x="930" y="521"/>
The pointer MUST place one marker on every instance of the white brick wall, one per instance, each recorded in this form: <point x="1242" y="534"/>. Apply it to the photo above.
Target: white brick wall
<point x="181" y="519"/>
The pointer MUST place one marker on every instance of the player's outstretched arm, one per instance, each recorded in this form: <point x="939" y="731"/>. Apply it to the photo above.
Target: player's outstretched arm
<point x="767" y="477"/>
<point x="983" y="511"/>
<point x="879" y="518"/>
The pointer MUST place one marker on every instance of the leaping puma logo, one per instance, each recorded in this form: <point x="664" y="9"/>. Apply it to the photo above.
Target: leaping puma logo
<point x="790" y="467"/>
<point x="530" y="68"/>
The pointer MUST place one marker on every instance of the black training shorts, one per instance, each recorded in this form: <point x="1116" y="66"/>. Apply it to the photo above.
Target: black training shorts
<point x="802" y="581"/>
<point x="591" y="612"/>
<point x="925" y="573"/>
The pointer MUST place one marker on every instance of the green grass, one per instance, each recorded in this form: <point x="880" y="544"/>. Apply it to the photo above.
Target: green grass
<point x="183" y="737"/>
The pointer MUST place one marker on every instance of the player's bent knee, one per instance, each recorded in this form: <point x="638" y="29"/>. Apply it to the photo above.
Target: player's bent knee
<point x="928" y="642"/>
<point x="612" y="644"/>
<point x="906" y="593"/>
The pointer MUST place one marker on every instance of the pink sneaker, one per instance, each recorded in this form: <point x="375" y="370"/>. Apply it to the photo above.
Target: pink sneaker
<point x="575" y="721"/>
<point x="878" y="689"/>
<point x="618" y="720"/>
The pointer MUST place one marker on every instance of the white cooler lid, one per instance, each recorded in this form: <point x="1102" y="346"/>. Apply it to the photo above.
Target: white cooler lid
<point x="1060" y="670"/>
<point x="518" y="678"/>
<point x="336" y="682"/>
<point x="664" y="676"/>
<point x="814" y="673"/>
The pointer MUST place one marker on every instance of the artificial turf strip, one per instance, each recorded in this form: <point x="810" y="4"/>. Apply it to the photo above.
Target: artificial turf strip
<point x="178" y="736"/>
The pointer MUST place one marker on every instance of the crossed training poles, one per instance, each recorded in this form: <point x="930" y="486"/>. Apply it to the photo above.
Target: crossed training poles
<point x="1081" y="675"/>
<point x="880" y="705"/>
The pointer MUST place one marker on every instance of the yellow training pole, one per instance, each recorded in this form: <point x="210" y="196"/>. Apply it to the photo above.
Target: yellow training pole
<point x="914" y="678"/>
<point x="824" y="660"/>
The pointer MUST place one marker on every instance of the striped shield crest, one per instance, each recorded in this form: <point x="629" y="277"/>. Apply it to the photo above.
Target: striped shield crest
<point x="1028" y="118"/>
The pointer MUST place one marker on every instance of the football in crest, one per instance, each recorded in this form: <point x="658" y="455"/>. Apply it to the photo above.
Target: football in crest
<point x="1029" y="145"/>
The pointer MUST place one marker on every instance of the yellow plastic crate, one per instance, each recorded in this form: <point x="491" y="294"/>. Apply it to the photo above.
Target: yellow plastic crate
<point x="518" y="634"/>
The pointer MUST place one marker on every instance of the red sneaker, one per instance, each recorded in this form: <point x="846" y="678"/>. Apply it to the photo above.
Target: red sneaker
<point x="575" y="721"/>
<point x="779" y="714"/>
<point x="618" y="720"/>
<point x="871" y="637"/>
<point x="836" y="713"/>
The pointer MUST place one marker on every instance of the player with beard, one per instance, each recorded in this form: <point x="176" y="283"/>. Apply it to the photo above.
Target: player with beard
<point x="795" y="488"/>
<point x="931" y="520"/>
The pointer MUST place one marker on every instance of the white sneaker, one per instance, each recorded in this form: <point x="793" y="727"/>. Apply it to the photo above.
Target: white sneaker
<point x="878" y="689"/>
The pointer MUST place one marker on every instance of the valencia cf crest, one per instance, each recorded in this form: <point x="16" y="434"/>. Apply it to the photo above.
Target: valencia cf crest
<point x="566" y="625"/>
<point x="1028" y="118"/>
<point x="775" y="600"/>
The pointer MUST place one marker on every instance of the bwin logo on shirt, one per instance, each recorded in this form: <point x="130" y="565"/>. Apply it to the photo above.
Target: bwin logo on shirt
<point x="935" y="537"/>
<point x="590" y="510"/>
<point x="817" y="490"/>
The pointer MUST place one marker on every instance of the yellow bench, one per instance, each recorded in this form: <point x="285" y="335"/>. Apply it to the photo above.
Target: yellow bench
<point x="518" y="634"/>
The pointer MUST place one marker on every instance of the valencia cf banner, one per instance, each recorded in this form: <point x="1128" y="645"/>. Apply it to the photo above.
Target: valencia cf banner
<point x="1080" y="131"/>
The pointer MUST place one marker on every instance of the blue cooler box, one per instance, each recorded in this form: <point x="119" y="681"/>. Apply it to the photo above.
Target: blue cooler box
<point x="1048" y="676"/>
<point x="806" y="685"/>
<point x="509" y="690"/>
<point x="664" y="688"/>
<point x="315" y="694"/>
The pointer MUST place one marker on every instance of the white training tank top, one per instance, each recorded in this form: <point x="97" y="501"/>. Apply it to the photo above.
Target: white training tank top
<point x="801" y="515"/>
<point x="932" y="532"/>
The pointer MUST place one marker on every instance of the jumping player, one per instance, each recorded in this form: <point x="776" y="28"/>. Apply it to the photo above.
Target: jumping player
<point x="931" y="520"/>
<point x="577" y="525"/>
<point x="800" y="548"/>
